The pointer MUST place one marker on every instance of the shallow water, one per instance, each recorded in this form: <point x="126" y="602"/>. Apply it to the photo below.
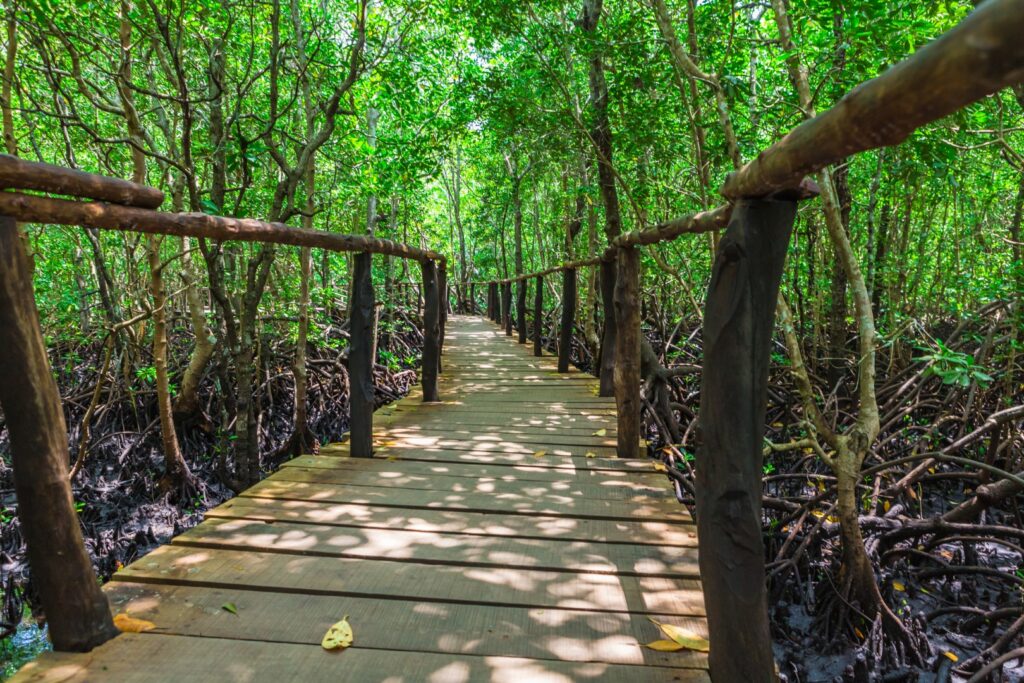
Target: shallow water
<point x="27" y="643"/>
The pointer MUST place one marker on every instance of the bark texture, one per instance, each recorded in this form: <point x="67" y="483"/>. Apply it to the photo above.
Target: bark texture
<point x="738" y="322"/>
<point x="76" y="610"/>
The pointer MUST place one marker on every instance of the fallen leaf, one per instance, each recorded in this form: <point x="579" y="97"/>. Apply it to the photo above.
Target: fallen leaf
<point x="665" y="646"/>
<point x="682" y="637"/>
<point x="590" y="454"/>
<point x="660" y="467"/>
<point x="777" y="425"/>
<point x="127" y="624"/>
<point x="540" y="454"/>
<point x="338" y="636"/>
<point x="230" y="607"/>
<point x="952" y="657"/>
<point x="860" y="634"/>
<point x="899" y="586"/>
<point x="600" y="432"/>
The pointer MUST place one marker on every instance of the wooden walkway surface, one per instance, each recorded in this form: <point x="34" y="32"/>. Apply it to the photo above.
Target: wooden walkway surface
<point x="495" y="537"/>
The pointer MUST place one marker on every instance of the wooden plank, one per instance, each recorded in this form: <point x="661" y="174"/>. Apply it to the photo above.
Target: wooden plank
<point x="382" y="579"/>
<point x="149" y="658"/>
<point x="549" y="634"/>
<point x="391" y="476"/>
<point x="524" y="472"/>
<point x="454" y="455"/>
<point x="511" y="503"/>
<point x="504" y="448"/>
<point x="460" y="522"/>
<point x="419" y="435"/>
<point x="428" y="547"/>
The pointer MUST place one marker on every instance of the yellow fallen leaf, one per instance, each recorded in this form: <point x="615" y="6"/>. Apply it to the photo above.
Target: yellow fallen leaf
<point x="540" y="454"/>
<point x="590" y="454"/>
<point x="338" y="636"/>
<point x="898" y="586"/>
<point x="886" y="505"/>
<point x="682" y="637"/>
<point x="951" y="657"/>
<point x="660" y="467"/>
<point x="664" y="646"/>
<point x="776" y="425"/>
<point x="127" y="624"/>
<point x="600" y="432"/>
<point x="860" y="634"/>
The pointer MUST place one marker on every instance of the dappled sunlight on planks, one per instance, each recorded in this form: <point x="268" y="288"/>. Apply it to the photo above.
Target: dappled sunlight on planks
<point x="458" y="552"/>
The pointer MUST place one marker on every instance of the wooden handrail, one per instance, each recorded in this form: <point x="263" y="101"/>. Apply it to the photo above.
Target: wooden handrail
<point x="36" y="209"/>
<point x="33" y="175"/>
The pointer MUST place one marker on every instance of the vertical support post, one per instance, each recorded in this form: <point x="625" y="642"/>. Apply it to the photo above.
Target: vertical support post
<point x="738" y="322"/>
<point x="506" y="306"/>
<point x="606" y="363"/>
<point x="442" y="286"/>
<point x="496" y="298"/>
<point x="521" y="310"/>
<point x="568" y="319"/>
<point x="76" y="610"/>
<point x="360" y="358"/>
<point x="627" y="351"/>
<point x="472" y="299"/>
<point x="431" y="331"/>
<point x="538" y="316"/>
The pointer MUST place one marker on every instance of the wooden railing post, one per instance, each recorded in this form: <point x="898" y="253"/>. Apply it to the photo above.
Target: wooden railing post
<point x="76" y="610"/>
<point x="738" y="323"/>
<point x="538" y="316"/>
<point x="568" y="319"/>
<point x="360" y="358"/>
<point x="606" y="361"/>
<point x="442" y="286"/>
<point x="627" y="351"/>
<point x="431" y="331"/>
<point x="521" y="310"/>
<point x="506" y="306"/>
<point x="490" y="301"/>
<point x="472" y="299"/>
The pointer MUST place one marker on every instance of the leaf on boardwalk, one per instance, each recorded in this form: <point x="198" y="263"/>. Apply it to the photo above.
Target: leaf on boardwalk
<point x="540" y="454"/>
<point x="600" y="432"/>
<point x="665" y="646"/>
<point x="591" y="454"/>
<point x="339" y="636"/>
<point x="660" y="467"/>
<point x="230" y="607"/>
<point x="127" y="624"/>
<point x="685" y="639"/>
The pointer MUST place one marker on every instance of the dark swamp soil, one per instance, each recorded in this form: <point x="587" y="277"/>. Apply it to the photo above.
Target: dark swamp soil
<point x="958" y="584"/>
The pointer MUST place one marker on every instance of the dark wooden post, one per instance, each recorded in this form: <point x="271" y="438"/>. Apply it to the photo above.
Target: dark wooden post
<point x="490" y="301"/>
<point x="627" y="351"/>
<point x="497" y="302"/>
<point x="431" y="331"/>
<point x="568" y="319"/>
<point x="360" y="358"/>
<point x="506" y="306"/>
<point x="738" y="322"/>
<point x="76" y="610"/>
<point x="472" y="299"/>
<point x="521" y="310"/>
<point x="606" y="363"/>
<point x="538" y="316"/>
<point x="442" y="286"/>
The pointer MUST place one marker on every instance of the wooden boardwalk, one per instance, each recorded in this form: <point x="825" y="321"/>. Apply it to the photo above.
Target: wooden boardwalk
<point x="495" y="537"/>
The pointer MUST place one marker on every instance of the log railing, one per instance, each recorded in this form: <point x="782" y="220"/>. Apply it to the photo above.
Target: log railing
<point x="77" y="612"/>
<point x="980" y="56"/>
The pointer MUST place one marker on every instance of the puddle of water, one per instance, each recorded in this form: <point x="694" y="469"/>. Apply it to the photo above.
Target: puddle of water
<point x="27" y="643"/>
